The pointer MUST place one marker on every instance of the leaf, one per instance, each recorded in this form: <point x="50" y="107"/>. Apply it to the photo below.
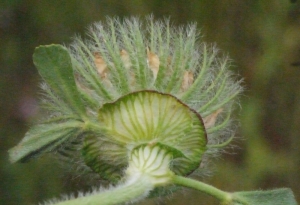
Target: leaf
<point x="44" y="138"/>
<point x="55" y="66"/>
<point x="283" y="196"/>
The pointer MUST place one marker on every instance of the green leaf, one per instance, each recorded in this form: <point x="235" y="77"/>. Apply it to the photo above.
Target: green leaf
<point x="44" y="138"/>
<point x="55" y="66"/>
<point x="283" y="196"/>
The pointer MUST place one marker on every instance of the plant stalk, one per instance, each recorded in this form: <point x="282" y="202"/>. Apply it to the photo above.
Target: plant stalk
<point x="222" y="196"/>
<point x="135" y="188"/>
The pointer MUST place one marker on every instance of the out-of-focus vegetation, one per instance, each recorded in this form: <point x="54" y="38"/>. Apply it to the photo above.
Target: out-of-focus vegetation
<point x="263" y="38"/>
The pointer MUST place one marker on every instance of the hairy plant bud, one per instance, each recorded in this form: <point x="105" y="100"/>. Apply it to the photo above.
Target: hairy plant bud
<point x="133" y="83"/>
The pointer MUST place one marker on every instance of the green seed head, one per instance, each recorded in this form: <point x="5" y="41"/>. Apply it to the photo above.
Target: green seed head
<point x="145" y="118"/>
<point x="132" y="84"/>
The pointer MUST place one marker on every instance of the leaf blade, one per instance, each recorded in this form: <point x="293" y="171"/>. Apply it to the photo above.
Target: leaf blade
<point x="44" y="138"/>
<point x="55" y="66"/>
<point x="271" y="197"/>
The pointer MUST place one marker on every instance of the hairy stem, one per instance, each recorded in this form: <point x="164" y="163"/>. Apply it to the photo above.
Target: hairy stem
<point x="135" y="188"/>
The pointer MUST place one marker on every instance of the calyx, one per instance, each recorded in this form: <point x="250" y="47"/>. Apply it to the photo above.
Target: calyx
<point x="140" y="119"/>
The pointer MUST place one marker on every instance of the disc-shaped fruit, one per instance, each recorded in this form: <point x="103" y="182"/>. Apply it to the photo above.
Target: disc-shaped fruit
<point x="145" y="117"/>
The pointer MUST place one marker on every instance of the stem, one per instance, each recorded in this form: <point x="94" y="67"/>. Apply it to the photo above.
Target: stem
<point x="200" y="186"/>
<point x="136" y="187"/>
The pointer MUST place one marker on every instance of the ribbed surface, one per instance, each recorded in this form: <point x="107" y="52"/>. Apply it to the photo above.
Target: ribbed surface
<point x="146" y="117"/>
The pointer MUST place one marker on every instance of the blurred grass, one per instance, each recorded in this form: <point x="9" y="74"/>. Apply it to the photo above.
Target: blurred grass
<point x="263" y="38"/>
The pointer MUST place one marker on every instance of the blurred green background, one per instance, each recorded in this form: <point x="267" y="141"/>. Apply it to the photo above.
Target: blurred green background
<point x="261" y="36"/>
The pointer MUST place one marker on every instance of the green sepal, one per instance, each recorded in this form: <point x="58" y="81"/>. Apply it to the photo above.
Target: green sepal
<point x="283" y="196"/>
<point x="55" y="66"/>
<point x="44" y="138"/>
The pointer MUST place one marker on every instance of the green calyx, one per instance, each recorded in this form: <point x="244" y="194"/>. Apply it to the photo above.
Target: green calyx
<point x="145" y="118"/>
